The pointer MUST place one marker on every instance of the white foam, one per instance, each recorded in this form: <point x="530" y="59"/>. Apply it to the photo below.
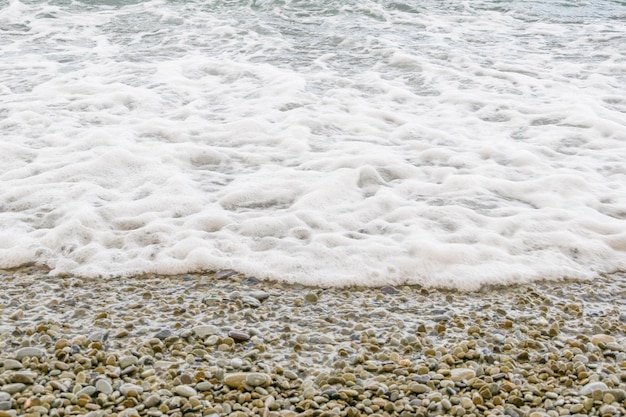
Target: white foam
<point x="366" y="145"/>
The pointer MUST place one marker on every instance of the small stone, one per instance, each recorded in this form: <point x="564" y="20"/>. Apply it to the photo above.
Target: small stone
<point x="235" y="380"/>
<point x="239" y="335"/>
<point x="5" y="405"/>
<point x="419" y="388"/>
<point x="164" y="334"/>
<point x="11" y="364"/>
<point x="258" y="380"/>
<point x="310" y="297"/>
<point x="593" y="386"/>
<point x="24" y="377"/>
<point x="466" y="403"/>
<point x="205" y="330"/>
<point x="128" y="361"/>
<point x="104" y="386"/>
<point x="388" y="289"/>
<point x="225" y="273"/>
<point x="185" y="391"/>
<point x="89" y="390"/>
<point x="152" y="401"/>
<point x="61" y="343"/>
<point x="460" y="374"/>
<point x="126" y="389"/>
<point x="250" y="301"/>
<point x="259" y="295"/>
<point x="5" y="396"/>
<point x="29" y="352"/>
<point x="204" y="386"/>
<point x="13" y="388"/>
<point x="597" y="339"/>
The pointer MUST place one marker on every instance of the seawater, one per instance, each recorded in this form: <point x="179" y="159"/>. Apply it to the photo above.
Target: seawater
<point x="441" y="143"/>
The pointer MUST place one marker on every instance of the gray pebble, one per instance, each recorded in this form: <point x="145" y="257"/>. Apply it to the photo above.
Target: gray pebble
<point x="14" y="388"/>
<point x="152" y="400"/>
<point x="593" y="386"/>
<point x="10" y="364"/>
<point x="205" y="330"/>
<point x="29" y="352"/>
<point x="89" y="390"/>
<point x="126" y="388"/>
<point x="104" y="386"/>
<point x="128" y="361"/>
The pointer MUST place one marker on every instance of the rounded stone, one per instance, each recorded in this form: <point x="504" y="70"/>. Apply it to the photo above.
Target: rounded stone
<point x="29" y="352"/>
<point x="12" y="364"/>
<point x="593" y="386"/>
<point x="258" y="379"/>
<point x="597" y="339"/>
<point x="14" y="388"/>
<point x="128" y="361"/>
<point x="126" y="389"/>
<point x="104" y="386"/>
<point x="185" y="391"/>
<point x="460" y="374"/>
<point x="205" y="330"/>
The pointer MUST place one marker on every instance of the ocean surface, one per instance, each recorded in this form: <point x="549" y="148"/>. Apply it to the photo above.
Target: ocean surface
<point x="441" y="143"/>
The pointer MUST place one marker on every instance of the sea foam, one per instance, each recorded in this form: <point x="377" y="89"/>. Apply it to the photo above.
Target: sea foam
<point x="367" y="143"/>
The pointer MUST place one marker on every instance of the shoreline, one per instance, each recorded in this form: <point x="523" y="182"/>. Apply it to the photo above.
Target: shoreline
<point x="195" y="345"/>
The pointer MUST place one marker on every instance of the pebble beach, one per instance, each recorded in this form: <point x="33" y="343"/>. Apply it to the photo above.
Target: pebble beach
<point x="223" y="344"/>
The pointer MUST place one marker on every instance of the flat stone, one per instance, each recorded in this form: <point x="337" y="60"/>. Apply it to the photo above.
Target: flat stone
<point x="29" y="352"/>
<point x="205" y="330"/>
<point x="5" y="396"/>
<point x="14" y="388"/>
<point x="128" y="361"/>
<point x="259" y="295"/>
<point x="596" y="339"/>
<point x="235" y="380"/>
<point x="250" y="301"/>
<point x="24" y="377"/>
<point x="185" y="391"/>
<point x="255" y="379"/>
<point x="204" y="386"/>
<point x="5" y="405"/>
<point x="460" y="374"/>
<point x="89" y="390"/>
<point x="164" y="334"/>
<point x="104" y="386"/>
<point x="225" y="273"/>
<point x="12" y="364"/>
<point x="152" y="401"/>
<point x="239" y="335"/>
<point x="125" y="389"/>
<point x="593" y="386"/>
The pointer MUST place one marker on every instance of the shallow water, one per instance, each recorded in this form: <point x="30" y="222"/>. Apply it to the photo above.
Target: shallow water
<point x="448" y="144"/>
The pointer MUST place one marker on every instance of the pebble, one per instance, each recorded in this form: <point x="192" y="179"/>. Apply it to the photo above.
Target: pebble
<point x="13" y="388"/>
<point x="205" y="330"/>
<point x="185" y="391"/>
<point x="593" y="386"/>
<point x="11" y="364"/>
<point x="239" y="335"/>
<point x="127" y="389"/>
<point x="461" y="374"/>
<point x="597" y="339"/>
<point x="104" y="386"/>
<point x="29" y="352"/>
